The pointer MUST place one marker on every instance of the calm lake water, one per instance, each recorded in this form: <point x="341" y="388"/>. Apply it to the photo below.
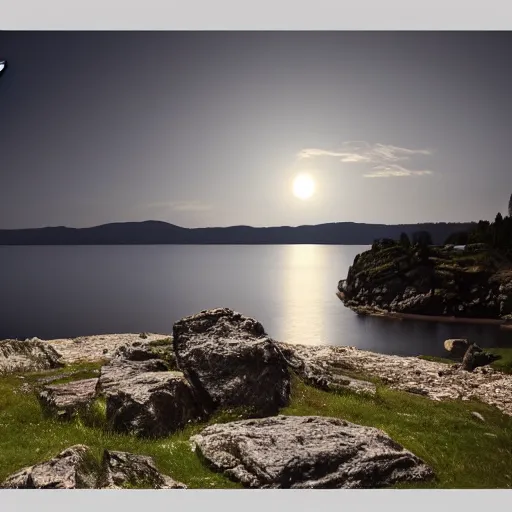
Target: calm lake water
<point x="53" y="292"/>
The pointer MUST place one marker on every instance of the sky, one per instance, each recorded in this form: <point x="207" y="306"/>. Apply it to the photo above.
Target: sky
<point x="210" y="128"/>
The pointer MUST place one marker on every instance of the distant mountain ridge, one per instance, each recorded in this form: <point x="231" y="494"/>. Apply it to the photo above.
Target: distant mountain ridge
<point x="159" y="232"/>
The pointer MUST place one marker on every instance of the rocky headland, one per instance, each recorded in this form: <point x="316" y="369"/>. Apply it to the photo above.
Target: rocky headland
<point x="472" y="283"/>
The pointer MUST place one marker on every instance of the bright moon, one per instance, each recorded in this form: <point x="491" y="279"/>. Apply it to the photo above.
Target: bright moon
<point x="303" y="186"/>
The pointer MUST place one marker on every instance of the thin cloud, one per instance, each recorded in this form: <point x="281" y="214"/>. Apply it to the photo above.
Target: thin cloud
<point x="182" y="206"/>
<point x="381" y="158"/>
<point x="393" y="171"/>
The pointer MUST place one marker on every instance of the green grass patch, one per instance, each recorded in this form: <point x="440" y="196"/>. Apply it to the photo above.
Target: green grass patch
<point x="444" y="434"/>
<point x="27" y="437"/>
<point x="464" y="451"/>
<point x="505" y="363"/>
<point x="163" y="342"/>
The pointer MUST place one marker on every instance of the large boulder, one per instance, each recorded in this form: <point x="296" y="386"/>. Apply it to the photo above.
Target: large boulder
<point x="74" y="468"/>
<point x="124" y="470"/>
<point x="301" y="452"/>
<point x="26" y="356"/>
<point x="231" y="362"/>
<point x="151" y="404"/>
<point x="67" y="400"/>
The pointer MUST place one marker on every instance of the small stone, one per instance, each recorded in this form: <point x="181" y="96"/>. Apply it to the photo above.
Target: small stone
<point x="478" y="416"/>
<point x="457" y="346"/>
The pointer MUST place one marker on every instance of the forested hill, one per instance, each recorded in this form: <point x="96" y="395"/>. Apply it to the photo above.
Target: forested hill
<point x="156" y="232"/>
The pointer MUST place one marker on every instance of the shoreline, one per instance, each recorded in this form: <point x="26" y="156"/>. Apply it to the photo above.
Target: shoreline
<point x="503" y="324"/>
<point x="433" y="379"/>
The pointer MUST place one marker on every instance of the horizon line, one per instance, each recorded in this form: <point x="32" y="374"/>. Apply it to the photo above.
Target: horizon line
<point x="240" y="225"/>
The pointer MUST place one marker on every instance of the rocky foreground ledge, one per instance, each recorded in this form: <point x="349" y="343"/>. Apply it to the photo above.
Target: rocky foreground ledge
<point x="326" y="367"/>
<point x="153" y="385"/>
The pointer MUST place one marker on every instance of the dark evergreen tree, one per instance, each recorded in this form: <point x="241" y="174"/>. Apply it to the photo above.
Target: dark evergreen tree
<point x="422" y="238"/>
<point x="459" y="238"/>
<point x="404" y="240"/>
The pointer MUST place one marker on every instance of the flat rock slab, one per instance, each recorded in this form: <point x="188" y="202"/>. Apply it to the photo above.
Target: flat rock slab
<point x="151" y="404"/>
<point x="230" y="361"/>
<point x="121" y="470"/>
<point x="119" y="370"/>
<point x="66" y="400"/>
<point x="73" y="468"/>
<point x="27" y="356"/>
<point x="307" y="452"/>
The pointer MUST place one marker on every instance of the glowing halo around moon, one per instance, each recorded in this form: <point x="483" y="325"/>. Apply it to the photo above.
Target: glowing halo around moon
<point x="303" y="186"/>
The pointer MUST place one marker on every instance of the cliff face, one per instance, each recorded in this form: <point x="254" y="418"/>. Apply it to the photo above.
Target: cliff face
<point x="475" y="282"/>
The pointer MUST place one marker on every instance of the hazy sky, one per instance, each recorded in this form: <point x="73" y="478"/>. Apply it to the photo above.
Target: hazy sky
<point x="210" y="128"/>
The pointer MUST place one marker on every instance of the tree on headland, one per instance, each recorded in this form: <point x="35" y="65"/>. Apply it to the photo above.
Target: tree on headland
<point x="497" y="234"/>
<point x="404" y="240"/>
<point x="422" y="238"/>
<point x="458" y="238"/>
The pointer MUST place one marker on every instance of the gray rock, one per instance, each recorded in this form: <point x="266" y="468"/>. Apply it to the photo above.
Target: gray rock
<point x="120" y="370"/>
<point x="478" y="416"/>
<point x="300" y="452"/>
<point x="74" y="468"/>
<point x="66" y="400"/>
<point x="27" y="356"/>
<point x="231" y="362"/>
<point x="475" y="357"/>
<point x="326" y="376"/>
<point x="151" y="404"/>
<point x="146" y="351"/>
<point x="121" y="469"/>
<point x="456" y="346"/>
